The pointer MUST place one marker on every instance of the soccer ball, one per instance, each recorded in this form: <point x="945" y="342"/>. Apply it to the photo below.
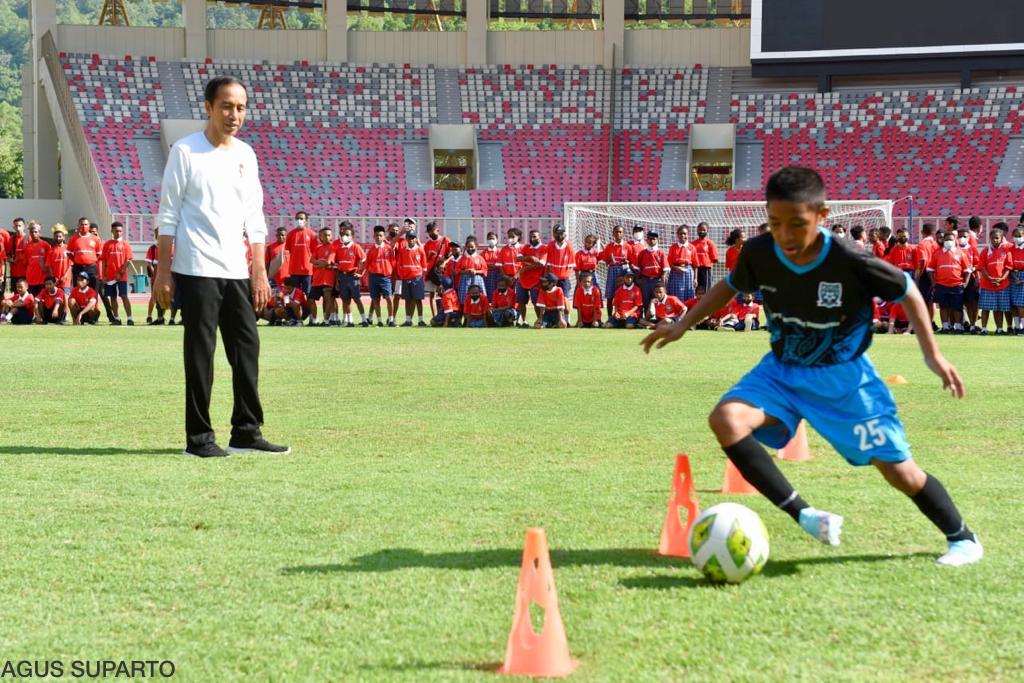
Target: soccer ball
<point x="728" y="543"/>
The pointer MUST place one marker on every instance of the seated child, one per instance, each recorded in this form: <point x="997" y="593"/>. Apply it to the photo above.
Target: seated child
<point x="551" y="302"/>
<point x="663" y="308"/>
<point x="628" y="303"/>
<point x="448" y="314"/>
<point x="503" y="311"/>
<point x="587" y="302"/>
<point x="475" y="308"/>
<point x="742" y="314"/>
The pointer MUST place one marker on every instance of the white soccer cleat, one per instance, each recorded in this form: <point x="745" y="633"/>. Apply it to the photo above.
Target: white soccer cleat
<point x="961" y="553"/>
<point x="822" y="525"/>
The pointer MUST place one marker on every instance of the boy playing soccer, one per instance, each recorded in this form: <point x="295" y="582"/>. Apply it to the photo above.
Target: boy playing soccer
<point x="818" y="291"/>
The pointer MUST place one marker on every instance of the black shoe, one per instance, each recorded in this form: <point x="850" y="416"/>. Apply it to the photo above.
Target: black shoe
<point x="116" y="322"/>
<point x="407" y="323"/>
<point x="149" y="320"/>
<point x="171" y="322"/>
<point x="365" y="323"/>
<point x="999" y="332"/>
<point x="257" y="445"/>
<point x="380" y="323"/>
<point x="392" y="323"/>
<point x="131" y="323"/>
<point x="205" y="450"/>
<point x="984" y="333"/>
<point x="350" y="324"/>
<point x="158" y="321"/>
<point x="421" y="324"/>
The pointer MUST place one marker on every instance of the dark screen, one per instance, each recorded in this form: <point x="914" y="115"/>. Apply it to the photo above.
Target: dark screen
<point x="798" y="25"/>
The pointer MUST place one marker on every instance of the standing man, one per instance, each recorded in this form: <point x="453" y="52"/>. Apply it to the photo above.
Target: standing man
<point x="299" y="246"/>
<point x="210" y="194"/>
<point x="114" y="260"/>
<point x="16" y="253"/>
<point x="58" y="262"/>
<point x="85" y="252"/>
<point x="36" y="250"/>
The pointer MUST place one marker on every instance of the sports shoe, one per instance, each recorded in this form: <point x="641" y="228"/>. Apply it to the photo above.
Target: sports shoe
<point x="380" y="323"/>
<point x="391" y="323"/>
<point x="350" y="324"/>
<point x="171" y="322"/>
<point x="961" y="553"/>
<point x="116" y="322"/>
<point x="205" y="450"/>
<point x="258" y="445"/>
<point x="365" y="323"/>
<point x="149" y="320"/>
<point x="131" y="323"/>
<point x="822" y="525"/>
<point x="421" y="324"/>
<point x="407" y="323"/>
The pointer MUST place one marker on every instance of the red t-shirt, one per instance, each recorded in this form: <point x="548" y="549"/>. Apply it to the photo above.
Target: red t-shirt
<point x="994" y="262"/>
<point x="879" y="249"/>
<point x="85" y="249"/>
<point x="732" y="254"/>
<point x="17" y="255"/>
<point x="475" y="263"/>
<point x="741" y="310"/>
<point x="380" y="259"/>
<point x="450" y="301"/>
<point x="490" y="256"/>
<point x="551" y="298"/>
<point x="82" y="297"/>
<point x="475" y="310"/>
<point x="275" y="249"/>
<point x="589" y="303"/>
<point x="669" y="307"/>
<point x="615" y="254"/>
<point x="634" y="248"/>
<point x="507" y="260"/>
<point x="529" y="276"/>
<point x="410" y="262"/>
<point x="560" y="260"/>
<point x="323" y="277"/>
<point x="1017" y="254"/>
<point x="903" y="256"/>
<point x="35" y="261"/>
<point x="348" y="257"/>
<point x="436" y="251"/>
<point x="299" y="244"/>
<point x="720" y="313"/>
<point x="651" y="263"/>
<point x="295" y="296"/>
<point x="27" y="299"/>
<point x="705" y="253"/>
<point x="680" y="254"/>
<point x="586" y="260"/>
<point x="898" y="313"/>
<point x="628" y="301"/>
<point x="949" y="267"/>
<point x="926" y="248"/>
<point x="506" y="299"/>
<point x="48" y="300"/>
<point x="116" y="253"/>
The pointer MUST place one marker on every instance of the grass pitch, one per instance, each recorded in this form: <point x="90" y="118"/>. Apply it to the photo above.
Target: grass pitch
<point x="387" y="547"/>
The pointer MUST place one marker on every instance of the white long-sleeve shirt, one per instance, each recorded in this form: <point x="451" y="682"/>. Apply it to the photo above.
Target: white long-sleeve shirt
<point x="208" y="197"/>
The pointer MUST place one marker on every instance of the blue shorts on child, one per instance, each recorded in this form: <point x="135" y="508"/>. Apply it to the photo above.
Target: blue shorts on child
<point x="949" y="298"/>
<point x="847" y="403"/>
<point x="380" y="285"/>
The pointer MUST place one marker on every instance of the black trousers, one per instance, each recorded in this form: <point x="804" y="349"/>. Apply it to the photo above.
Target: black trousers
<point x="206" y="304"/>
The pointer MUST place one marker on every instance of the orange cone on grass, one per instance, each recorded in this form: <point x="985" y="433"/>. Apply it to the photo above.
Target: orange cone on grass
<point x="673" y="533"/>
<point x="897" y="379"/>
<point x="734" y="482"/>
<point x="530" y="653"/>
<point x="796" y="450"/>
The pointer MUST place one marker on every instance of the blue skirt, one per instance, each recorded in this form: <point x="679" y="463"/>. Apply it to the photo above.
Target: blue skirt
<point x="614" y="272"/>
<point x="681" y="284"/>
<point x="491" y="280"/>
<point x="1016" y="292"/>
<point x="467" y="281"/>
<point x="991" y="300"/>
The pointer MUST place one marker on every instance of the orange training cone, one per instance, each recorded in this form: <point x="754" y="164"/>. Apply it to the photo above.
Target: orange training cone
<point x="796" y="450"/>
<point x="529" y="653"/>
<point x="897" y="379"/>
<point x="673" y="534"/>
<point x="734" y="482"/>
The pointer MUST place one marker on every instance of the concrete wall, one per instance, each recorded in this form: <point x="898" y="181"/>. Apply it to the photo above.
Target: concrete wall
<point x="163" y="43"/>
<point x="545" y="47"/>
<point x="286" y="46"/>
<point x="441" y="49"/>
<point x="46" y="211"/>
<point x="706" y="46"/>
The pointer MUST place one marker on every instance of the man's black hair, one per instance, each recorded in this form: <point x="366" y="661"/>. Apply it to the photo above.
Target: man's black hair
<point x="304" y="214"/>
<point x="954" y="221"/>
<point x="857" y="231"/>
<point x="214" y="85"/>
<point x="796" y="184"/>
<point x="117" y="224"/>
<point x="49" y="278"/>
<point x="19" y="218"/>
<point x="515" y="231"/>
<point x="470" y="237"/>
<point x="928" y="229"/>
<point x="378" y="228"/>
<point x="432" y="225"/>
<point x="1001" y="226"/>
<point x="974" y="223"/>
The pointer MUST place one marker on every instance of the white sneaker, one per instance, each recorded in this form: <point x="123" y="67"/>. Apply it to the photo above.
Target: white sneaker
<point x="822" y="525"/>
<point x="961" y="553"/>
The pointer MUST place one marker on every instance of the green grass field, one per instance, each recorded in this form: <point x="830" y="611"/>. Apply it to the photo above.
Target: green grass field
<point x="387" y="547"/>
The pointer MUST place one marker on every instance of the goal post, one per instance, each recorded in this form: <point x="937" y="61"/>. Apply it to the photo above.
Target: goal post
<point x="598" y="219"/>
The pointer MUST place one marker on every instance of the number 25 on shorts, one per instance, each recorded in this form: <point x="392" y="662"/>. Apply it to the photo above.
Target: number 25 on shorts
<point x="870" y="435"/>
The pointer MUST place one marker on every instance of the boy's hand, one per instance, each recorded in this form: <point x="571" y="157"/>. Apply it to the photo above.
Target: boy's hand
<point x="663" y="335"/>
<point x="947" y="373"/>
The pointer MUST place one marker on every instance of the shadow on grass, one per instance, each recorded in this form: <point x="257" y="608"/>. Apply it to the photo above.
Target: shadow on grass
<point x="62" y="450"/>
<point x="773" y="569"/>
<point x="393" y="559"/>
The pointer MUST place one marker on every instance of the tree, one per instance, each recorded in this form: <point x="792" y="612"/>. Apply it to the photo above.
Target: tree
<point x="12" y="158"/>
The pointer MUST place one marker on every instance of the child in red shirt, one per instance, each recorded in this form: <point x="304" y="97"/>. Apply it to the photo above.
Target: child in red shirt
<point x="742" y="314"/>
<point x="735" y="242"/>
<point x="1017" y="281"/>
<point x="903" y="255"/>
<point x="350" y="262"/>
<point x="84" y="301"/>
<point x="587" y="302"/>
<point x="503" y="304"/>
<point x="51" y="304"/>
<point x="586" y="261"/>
<point x="705" y="257"/>
<point x="531" y="256"/>
<point x="971" y="289"/>
<point x="627" y="305"/>
<point x="664" y="308"/>
<point x="995" y="264"/>
<point x="470" y="268"/>
<point x="475" y="308"/>
<point x="951" y="268"/>
<point x="680" y="263"/>
<point x="20" y="309"/>
<point x="322" y="263"/>
<point x="380" y="264"/>
<point x="448" y="309"/>
<point x="491" y="254"/>
<point x="287" y="306"/>
<point x="712" y="321"/>
<point x="551" y="302"/>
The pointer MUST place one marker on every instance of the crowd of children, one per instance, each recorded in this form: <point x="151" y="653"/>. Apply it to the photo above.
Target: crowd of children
<point x="317" y="277"/>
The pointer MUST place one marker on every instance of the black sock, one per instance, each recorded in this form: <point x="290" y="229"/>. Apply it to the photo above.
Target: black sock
<point x="757" y="467"/>
<point x="935" y="503"/>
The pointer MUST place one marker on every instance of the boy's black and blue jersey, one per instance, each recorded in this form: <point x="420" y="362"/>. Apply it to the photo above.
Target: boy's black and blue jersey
<point x="820" y="313"/>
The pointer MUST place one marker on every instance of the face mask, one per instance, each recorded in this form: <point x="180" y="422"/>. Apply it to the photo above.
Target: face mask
<point x="470" y="251"/>
<point x="513" y="240"/>
<point x="300" y="223"/>
<point x="475" y="297"/>
<point x="947" y="245"/>
<point x="840" y="235"/>
<point x="345" y="239"/>
<point x="638" y="237"/>
<point x="964" y="241"/>
<point x="1019" y="241"/>
<point x="492" y="243"/>
<point x="535" y="241"/>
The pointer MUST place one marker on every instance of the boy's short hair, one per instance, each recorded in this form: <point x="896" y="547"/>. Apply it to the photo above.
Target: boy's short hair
<point x="885" y="230"/>
<point x="974" y="222"/>
<point x="470" y="238"/>
<point x="796" y="184"/>
<point x="928" y="229"/>
<point x="1001" y="226"/>
<point x="472" y="287"/>
<point x="49" y="278"/>
<point x="378" y="229"/>
<point x="515" y="231"/>
<point x="903" y="230"/>
<point x="504" y="279"/>
<point x="953" y="220"/>
<point x="660" y="285"/>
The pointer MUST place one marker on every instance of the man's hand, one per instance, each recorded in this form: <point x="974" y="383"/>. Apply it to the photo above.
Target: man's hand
<point x="663" y="335"/>
<point x="163" y="288"/>
<point x="260" y="289"/>
<point x="947" y="373"/>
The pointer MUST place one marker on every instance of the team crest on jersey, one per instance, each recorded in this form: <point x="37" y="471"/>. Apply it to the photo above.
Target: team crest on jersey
<point x="830" y="294"/>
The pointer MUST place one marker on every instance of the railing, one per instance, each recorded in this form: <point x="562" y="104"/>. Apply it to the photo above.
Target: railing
<point x="914" y="224"/>
<point x="138" y="227"/>
<point x="79" y="145"/>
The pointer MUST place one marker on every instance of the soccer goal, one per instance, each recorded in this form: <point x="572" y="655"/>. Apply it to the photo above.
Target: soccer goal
<point x="598" y="218"/>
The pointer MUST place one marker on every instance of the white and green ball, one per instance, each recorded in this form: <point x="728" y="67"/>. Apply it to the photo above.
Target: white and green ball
<point x="728" y="543"/>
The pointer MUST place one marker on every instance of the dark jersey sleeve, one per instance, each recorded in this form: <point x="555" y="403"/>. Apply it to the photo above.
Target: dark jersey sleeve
<point x="881" y="278"/>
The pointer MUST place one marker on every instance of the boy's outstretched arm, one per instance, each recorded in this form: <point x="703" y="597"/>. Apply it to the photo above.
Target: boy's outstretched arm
<point x="714" y="300"/>
<point x="917" y="313"/>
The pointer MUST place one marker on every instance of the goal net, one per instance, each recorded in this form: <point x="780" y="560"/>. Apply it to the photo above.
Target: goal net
<point x="598" y="219"/>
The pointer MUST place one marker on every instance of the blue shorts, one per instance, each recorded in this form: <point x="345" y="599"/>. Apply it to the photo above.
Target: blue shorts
<point x="347" y="286"/>
<point x="949" y="298"/>
<point x="316" y="293"/>
<point x="412" y="290"/>
<point x="971" y="291"/>
<point x="924" y="283"/>
<point x="524" y="296"/>
<point x="302" y="282"/>
<point x="480" y="323"/>
<point x="848" y="404"/>
<point x="551" y="318"/>
<point x="116" y="289"/>
<point x="380" y="285"/>
<point x="620" y="323"/>
<point x="504" y="317"/>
